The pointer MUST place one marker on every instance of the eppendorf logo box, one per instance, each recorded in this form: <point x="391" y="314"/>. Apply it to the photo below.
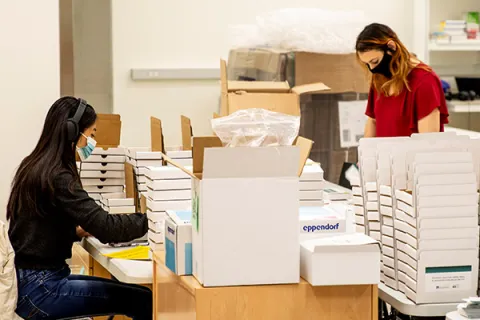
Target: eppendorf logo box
<point x="322" y="220"/>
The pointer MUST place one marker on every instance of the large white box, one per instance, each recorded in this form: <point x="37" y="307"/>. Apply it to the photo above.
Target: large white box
<point x="166" y="173"/>
<point x="173" y="184"/>
<point x="337" y="260"/>
<point x="246" y="190"/>
<point x="178" y="242"/>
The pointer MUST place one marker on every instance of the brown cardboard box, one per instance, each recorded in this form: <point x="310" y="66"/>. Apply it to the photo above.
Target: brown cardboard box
<point x="273" y="96"/>
<point x="257" y="64"/>
<point x="340" y="72"/>
<point x="108" y="130"/>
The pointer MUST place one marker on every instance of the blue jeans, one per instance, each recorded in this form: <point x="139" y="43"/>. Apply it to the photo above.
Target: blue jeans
<point x="57" y="294"/>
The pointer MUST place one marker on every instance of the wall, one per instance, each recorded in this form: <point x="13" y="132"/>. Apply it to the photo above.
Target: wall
<point x="92" y="52"/>
<point x="189" y="34"/>
<point x="29" y="81"/>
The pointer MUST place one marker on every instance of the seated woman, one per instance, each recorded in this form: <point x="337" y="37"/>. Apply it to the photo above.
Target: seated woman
<point x="48" y="211"/>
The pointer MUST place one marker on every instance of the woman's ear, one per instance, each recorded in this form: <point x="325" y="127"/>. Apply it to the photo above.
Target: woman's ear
<point x="392" y="46"/>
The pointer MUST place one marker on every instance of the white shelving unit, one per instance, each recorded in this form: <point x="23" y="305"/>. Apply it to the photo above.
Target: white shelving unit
<point x="426" y="18"/>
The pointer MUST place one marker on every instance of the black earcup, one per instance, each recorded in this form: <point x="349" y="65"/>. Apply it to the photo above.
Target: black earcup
<point x="72" y="130"/>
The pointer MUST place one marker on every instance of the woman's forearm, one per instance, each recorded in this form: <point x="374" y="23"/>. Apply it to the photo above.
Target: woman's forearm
<point x="370" y="128"/>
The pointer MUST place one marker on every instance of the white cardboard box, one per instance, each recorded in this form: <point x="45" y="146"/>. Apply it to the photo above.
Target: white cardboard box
<point x="145" y="163"/>
<point x="312" y="172"/>
<point x="102" y="174"/>
<point x="102" y="182"/>
<point x="166" y="173"/>
<point x="173" y="184"/>
<point x="103" y="189"/>
<point x="162" y="206"/>
<point x="114" y="195"/>
<point x="105" y="159"/>
<point x="183" y="162"/>
<point x="118" y="202"/>
<point x="101" y="166"/>
<point x="167" y="195"/>
<point x="336" y="260"/>
<point x="260" y="189"/>
<point x="119" y="151"/>
<point x="179" y="154"/>
<point x="155" y="217"/>
<point x="312" y="185"/>
<point x="317" y="222"/>
<point x="120" y="209"/>
<point x="178" y="242"/>
<point x="143" y="153"/>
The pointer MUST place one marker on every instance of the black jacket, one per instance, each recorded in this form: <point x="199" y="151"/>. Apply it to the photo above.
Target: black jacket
<point x="46" y="242"/>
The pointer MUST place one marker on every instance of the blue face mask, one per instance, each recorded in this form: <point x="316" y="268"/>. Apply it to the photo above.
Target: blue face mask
<point x="86" y="151"/>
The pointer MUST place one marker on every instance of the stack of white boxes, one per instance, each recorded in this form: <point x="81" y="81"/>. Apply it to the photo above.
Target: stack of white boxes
<point x="169" y="188"/>
<point x="103" y="172"/>
<point x="312" y="185"/>
<point x="181" y="157"/>
<point x="117" y="203"/>
<point x="358" y="209"/>
<point x="140" y="159"/>
<point x="436" y="228"/>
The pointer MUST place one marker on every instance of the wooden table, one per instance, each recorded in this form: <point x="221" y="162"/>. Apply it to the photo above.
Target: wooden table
<point x="183" y="298"/>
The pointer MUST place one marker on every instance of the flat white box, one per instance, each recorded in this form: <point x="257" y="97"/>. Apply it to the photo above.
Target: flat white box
<point x="443" y="201"/>
<point x="386" y="201"/>
<point x="105" y="159"/>
<point x="140" y="171"/>
<point x="447" y="179"/>
<point x="312" y="185"/>
<point x="121" y="209"/>
<point x="376" y="235"/>
<point x="166" y="173"/>
<point x="372" y="206"/>
<point x="95" y="196"/>
<point x="183" y="162"/>
<point x="310" y="195"/>
<point x="145" y="163"/>
<point x="385" y="190"/>
<point x="155" y="246"/>
<point x="156" y="216"/>
<point x="358" y="201"/>
<point x="260" y="189"/>
<point x="174" y="184"/>
<point x="114" y="195"/>
<point x="167" y="195"/>
<point x="388" y="241"/>
<point x="316" y="222"/>
<point x="360" y="220"/>
<point x="103" y="189"/>
<point x="102" y="174"/>
<point x="386" y="211"/>
<point x="336" y="260"/>
<point x="374" y="226"/>
<point x="162" y="206"/>
<point x="156" y="237"/>
<point x="357" y="191"/>
<point x="102" y="182"/>
<point x="388" y="221"/>
<point x="312" y="173"/>
<point x="118" y="202"/>
<point x="142" y="187"/>
<point x="93" y="166"/>
<point x="178" y="242"/>
<point x="371" y="186"/>
<point x="373" y="216"/>
<point x="360" y="229"/>
<point x="179" y="154"/>
<point x="157" y="227"/>
<point x="372" y="196"/>
<point x="119" y="151"/>
<point x="404" y="196"/>
<point x="446" y="190"/>
<point x="144" y="155"/>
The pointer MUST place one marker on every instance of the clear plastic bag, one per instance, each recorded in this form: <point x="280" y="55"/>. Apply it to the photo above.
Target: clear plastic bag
<point x="256" y="128"/>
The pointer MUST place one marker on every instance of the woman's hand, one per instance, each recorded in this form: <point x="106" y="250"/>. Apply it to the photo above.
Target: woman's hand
<point x="82" y="233"/>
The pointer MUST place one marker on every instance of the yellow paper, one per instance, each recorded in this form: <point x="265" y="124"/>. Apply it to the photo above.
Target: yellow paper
<point x="136" y="253"/>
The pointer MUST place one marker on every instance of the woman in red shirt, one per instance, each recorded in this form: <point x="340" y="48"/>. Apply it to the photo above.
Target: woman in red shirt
<point x="406" y="96"/>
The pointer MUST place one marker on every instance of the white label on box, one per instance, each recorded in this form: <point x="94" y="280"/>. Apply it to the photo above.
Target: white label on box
<point x="352" y="122"/>
<point x="456" y="278"/>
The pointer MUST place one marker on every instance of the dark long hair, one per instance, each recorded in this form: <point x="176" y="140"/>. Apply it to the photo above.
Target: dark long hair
<point x="33" y="183"/>
<point x="376" y="36"/>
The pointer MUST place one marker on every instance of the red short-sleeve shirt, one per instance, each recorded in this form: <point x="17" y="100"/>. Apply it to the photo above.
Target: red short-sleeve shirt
<point x="398" y="116"/>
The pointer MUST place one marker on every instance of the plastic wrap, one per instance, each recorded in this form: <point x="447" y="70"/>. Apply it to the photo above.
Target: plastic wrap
<point x="256" y="128"/>
<point x="302" y="29"/>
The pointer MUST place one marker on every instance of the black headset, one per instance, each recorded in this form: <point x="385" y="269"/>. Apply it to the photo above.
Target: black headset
<point x="73" y="130"/>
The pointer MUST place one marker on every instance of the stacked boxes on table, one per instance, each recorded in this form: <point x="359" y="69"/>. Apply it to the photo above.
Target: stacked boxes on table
<point x="140" y="159"/>
<point x="103" y="172"/>
<point x="169" y="188"/>
<point x="312" y="185"/>
<point x="436" y="227"/>
<point x="117" y="203"/>
<point x="358" y="208"/>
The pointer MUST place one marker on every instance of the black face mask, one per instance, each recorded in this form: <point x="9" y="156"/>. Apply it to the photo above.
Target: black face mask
<point x="383" y="67"/>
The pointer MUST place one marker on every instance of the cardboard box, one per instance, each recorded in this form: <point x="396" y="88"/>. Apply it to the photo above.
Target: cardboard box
<point x="173" y="184"/>
<point x="273" y="96"/>
<point x="143" y="154"/>
<point x="120" y="209"/>
<point x="102" y="174"/>
<point x="102" y="189"/>
<point x="167" y="195"/>
<point x="98" y="166"/>
<point x="108" y="130"/>
<point x="105" y="159"/>
<point x="112" y="151"/>
<point x="162" y="206"/>
<point x="118" y="202"/>
<point x="316" y="222"/>
<point x="166" y="173"/>
<point x="257" y="64"/>
<point x="336" y="260"/>
<point x="103" y="182"/>
<point x="178" y="242"/>
<point x="224" y="195"/>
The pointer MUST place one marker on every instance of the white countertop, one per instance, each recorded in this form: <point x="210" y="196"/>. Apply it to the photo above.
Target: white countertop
<point x="400" y="302"/>
<point x="127" y="271"/>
